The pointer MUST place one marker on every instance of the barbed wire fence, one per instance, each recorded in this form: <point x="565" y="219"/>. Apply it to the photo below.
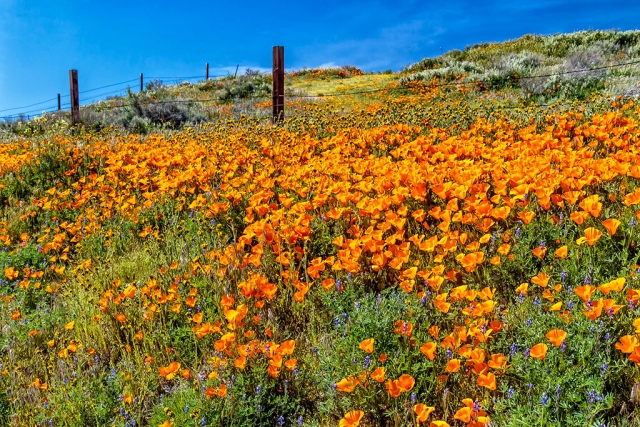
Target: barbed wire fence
<point x="248" y="105"/>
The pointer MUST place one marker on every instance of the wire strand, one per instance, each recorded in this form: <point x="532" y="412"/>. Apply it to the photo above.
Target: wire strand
<point x="31" y="105"/>
<point x="106" y="86"/>
<point x="105" y="94"/>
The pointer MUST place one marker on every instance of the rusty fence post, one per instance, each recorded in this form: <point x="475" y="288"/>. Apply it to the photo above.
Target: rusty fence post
<point x="75" y="97"/>
<point x="278" y="84"/>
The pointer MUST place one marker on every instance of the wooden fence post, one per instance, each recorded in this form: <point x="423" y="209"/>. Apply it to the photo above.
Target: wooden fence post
<point x="58" y="102"/>
<point x="278" y="83"/>
<point x="75" y="97"/>
<point x="141" y="80"/>
<point x="207" y="74"/>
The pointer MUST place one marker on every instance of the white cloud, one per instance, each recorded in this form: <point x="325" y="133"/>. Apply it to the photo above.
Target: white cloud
<point x="328" y="65"/>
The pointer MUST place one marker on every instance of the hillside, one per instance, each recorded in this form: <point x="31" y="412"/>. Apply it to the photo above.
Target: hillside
<point x="415" y="248"/>
<point x="530" y="70"/>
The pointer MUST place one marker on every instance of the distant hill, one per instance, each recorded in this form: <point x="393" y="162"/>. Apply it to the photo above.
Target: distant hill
<point x="560" y="65"/>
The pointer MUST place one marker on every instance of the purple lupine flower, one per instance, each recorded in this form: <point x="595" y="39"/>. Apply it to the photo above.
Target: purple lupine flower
<point x="510" y="393"/>
<point x="513" y="349"/>
<point x="544" y="400"/>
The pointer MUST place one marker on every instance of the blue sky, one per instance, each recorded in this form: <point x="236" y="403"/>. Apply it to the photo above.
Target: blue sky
<point x="114" y="41"/>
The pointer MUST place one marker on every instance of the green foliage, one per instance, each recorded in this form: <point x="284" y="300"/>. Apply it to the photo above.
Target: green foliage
<point x="252" y="84"/>
<point x="543" y="67"/>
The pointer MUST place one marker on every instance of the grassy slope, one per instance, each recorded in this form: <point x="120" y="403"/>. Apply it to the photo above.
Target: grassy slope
<point x="68" y="201"/>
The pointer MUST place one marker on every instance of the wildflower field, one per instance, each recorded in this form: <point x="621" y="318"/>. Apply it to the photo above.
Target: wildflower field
<point x="426" y="255"/>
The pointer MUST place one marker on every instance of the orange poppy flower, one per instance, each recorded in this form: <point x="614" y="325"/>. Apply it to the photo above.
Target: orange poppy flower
<point x="287" y="347"/>
<point x="130" y="292"/>
<point x="556" y="307"/>
<point x="328" y="284"/>
<point x="585" y="292"/>
<point x="378" y="374"/>
<point x="273" y="371"/>
<point x="504" y="249"/>
<point x="562" y="252"/>
<point x="423" y="411"/>
<point x="470" y="261"/>
<point x="393" y="389"/>
<point x="526" y="217"/>
<point x="609" y="305"/>
<point x="11" y="274"/>
<point x="522" y="289"/>
<point x="439" y="423"/>
<point x="240" y="362"/>
<point x="403" y="328"/>
<point x="539" y="351"/>
<point x="291" y="364"/>
<point x="170" y="370"/>
<point x="38" y="384"/>
<point x="635" y="355"/>
<point x="406" y="382"/>
<point x="632" y="198"/>
<point x="579" y="217"/>
<point x="556" y="336"/>
<point x="594" y="310"/>
<point x="453" y="365"/>
<point x="351" y="419"/>
<point x="429" y="349"/>
<point x="592" y="205"/>
<point x="498" y="361"/>
<point x="367" y="345"/>
<point x="407" y="285"/>
<point x="614" y="285"/>
<point x="441" y="304"/>
<point x="541" y="279"/>
<point x="611" y="225"/>
<point x="463" y="414"/>
<point x="627" y="343"/>
<point x="592" y="235"/>
<point x="222" y="391"/>
<point x="539" y="252"/>
<point x="346" y="384"/>
<point x="434" y="331"/>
